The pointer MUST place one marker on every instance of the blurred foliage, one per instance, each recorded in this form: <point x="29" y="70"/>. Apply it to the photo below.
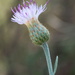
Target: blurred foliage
<point x="18" y="56"/>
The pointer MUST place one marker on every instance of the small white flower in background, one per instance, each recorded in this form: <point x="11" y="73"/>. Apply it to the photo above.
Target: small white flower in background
<point x="28" y="10"/>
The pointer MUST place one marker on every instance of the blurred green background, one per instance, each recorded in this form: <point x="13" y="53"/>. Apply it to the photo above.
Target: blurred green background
<point x="18" y="56"/>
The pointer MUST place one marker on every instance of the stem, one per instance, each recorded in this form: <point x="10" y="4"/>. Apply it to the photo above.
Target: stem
<point x="48" y="58"/>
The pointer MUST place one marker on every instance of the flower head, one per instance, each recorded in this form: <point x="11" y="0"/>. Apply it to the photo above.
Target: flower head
<point x="28" y="14"/>
<point x="25" y="12"/>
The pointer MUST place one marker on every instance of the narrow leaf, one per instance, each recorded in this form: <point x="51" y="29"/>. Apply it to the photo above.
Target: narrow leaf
<point x="56" y="65"/>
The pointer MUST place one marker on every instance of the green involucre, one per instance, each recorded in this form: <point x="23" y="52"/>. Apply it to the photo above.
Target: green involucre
<point x="38" y="33"/>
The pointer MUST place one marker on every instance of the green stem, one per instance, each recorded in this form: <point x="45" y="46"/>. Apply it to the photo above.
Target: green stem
<point x="48" y="58"/>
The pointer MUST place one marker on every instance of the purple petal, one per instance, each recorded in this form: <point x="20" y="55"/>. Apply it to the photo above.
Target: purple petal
<point x="24" y="4"/>
<point x="31" y="0"/>
<point x="19" y="7"/>
<point x="15" y="9"/>
<point x="12" y="10"/>
<point x="27" y="2"/>
<point x="47" y="2"/>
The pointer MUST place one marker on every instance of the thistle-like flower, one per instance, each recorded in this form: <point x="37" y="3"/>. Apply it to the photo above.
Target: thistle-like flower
<point x="28" y="14"/>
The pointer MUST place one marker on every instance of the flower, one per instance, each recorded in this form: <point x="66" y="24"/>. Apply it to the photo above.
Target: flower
<point x="28" y="14"/>
<point x="27" y="11"/>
